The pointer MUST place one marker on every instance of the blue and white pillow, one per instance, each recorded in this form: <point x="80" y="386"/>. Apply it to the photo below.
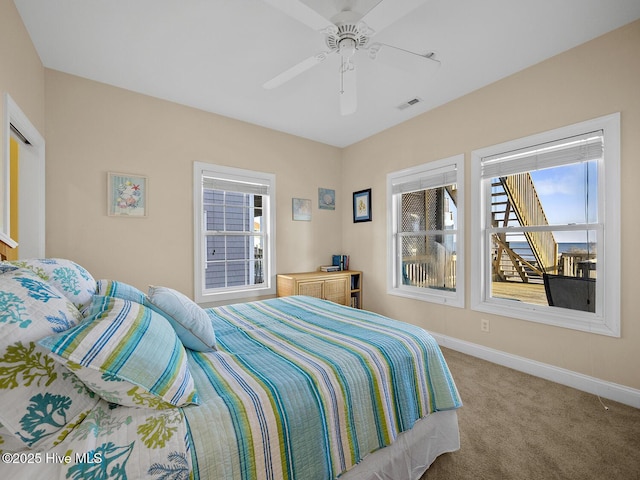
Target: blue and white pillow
<point x="125" y="352"/>
<point x="75" y="282"/>
<point x="7" y="267"/>
<point x="191" y="322"/>
<point x="39" y="397"/>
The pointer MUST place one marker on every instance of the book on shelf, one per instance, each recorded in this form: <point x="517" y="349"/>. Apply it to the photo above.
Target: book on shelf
<point x="341" y="261"/>
<point x="330" y="268"/>
<point x="355" y="301"/>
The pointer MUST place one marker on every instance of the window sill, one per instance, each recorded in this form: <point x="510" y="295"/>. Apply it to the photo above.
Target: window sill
<point x="227" y="295"/>
<point x="452" y="300"/>
<point x="554" y="316"/>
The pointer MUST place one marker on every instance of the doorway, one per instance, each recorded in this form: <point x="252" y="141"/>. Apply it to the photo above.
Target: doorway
<point x="23" y="197"/>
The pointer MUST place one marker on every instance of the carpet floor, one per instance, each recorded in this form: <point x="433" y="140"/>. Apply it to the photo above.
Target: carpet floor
<point x="517" y="426"/>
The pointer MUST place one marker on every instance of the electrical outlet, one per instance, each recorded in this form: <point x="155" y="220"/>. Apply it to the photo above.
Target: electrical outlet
<point x="484" y="325"/>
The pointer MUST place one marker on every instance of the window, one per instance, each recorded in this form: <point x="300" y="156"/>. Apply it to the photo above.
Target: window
<point x="234" y="233"/>
<point x="425" y="237"/>
<point x="545" y="242"/>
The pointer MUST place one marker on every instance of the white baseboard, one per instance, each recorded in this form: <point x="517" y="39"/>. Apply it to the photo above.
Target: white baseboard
<point x="612" y="391"/>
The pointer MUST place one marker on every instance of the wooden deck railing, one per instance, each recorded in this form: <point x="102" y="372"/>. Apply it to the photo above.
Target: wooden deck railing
<point x="427" y="273"/>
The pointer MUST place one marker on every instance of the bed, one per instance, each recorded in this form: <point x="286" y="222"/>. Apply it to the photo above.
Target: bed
<point x="100" y="380"/>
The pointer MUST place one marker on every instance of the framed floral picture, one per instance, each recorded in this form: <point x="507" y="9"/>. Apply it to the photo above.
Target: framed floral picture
<point x="127" y="195"/>
<point x="362" y="206"/>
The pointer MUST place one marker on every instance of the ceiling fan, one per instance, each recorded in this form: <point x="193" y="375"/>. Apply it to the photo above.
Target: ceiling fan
<point x="347" y="33"/>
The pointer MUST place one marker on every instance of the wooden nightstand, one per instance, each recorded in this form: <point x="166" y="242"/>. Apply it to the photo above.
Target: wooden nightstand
<point x="343" y="287"/>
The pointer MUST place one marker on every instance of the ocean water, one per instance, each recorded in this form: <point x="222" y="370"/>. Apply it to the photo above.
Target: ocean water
<point x="572" y="247"/>
<point x="563" y="247"/>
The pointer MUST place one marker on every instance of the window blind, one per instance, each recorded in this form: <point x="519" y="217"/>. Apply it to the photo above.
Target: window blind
<point x="437" y="177"/>
<point x="241" y="186"/>
<point x="580" y="148"/>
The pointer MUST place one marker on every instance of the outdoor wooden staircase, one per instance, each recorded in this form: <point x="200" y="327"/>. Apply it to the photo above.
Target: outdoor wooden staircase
<point x="518" y="256"/>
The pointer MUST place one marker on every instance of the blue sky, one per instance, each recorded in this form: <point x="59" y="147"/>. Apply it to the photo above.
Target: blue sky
<point x="565" y="193"/>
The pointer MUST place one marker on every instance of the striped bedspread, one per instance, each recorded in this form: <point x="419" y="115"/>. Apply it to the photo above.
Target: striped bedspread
<point x="301" y="388"/>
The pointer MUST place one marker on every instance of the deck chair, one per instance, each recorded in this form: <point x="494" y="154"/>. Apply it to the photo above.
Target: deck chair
<point x="575" y="293"/>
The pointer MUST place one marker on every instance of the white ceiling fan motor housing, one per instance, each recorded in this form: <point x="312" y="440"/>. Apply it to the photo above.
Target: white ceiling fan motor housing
<point x="349" y="38"/>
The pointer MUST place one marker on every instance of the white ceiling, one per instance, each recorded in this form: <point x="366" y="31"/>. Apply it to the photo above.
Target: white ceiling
<point x="216" y="54"/>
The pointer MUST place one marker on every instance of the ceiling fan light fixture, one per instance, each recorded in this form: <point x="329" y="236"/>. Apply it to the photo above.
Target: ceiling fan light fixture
<point x="347" y="47"/>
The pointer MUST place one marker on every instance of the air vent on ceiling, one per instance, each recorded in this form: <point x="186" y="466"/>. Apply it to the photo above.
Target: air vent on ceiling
<point x="409" y="103"/>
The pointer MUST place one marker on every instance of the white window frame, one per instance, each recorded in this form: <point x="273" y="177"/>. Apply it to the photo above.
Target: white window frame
<point x="428" y="174"/>
<point x="202" y="295"/>
<point x="606" y="319"/>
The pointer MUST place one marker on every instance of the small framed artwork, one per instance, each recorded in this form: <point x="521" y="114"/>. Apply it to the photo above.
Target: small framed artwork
<point x="301" y="208"/>
<point x="362" y="206"/>
<point x="326" y="199"/>
<point x="127" y="195"/>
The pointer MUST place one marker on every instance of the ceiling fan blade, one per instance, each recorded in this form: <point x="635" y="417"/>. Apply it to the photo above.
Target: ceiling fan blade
<point x="348" y="93"/>
<point x="296" y="70"/>
<point x="387" y="12"/>
<point x="302" y="13"/>
<point x="411" y="62"/>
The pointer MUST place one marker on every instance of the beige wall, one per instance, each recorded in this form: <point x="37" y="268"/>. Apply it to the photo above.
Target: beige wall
<point x="595" y="79"/>
<point x="21" y="71"/>
<point x="93" y="128"/>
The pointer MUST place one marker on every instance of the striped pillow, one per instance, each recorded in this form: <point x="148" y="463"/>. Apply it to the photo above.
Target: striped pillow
<point x="128" y="354"/>
<point x="115" y="288"/>
<point x="191" y="323"/>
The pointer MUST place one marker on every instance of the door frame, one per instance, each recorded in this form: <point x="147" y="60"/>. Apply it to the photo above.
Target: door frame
<point x="13" y="115"/>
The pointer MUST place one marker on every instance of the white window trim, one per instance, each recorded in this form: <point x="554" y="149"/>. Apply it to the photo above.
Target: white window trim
<point x="232" y="293"/>
<point x="455" y="299"/>
<point x="606" y="319"/>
